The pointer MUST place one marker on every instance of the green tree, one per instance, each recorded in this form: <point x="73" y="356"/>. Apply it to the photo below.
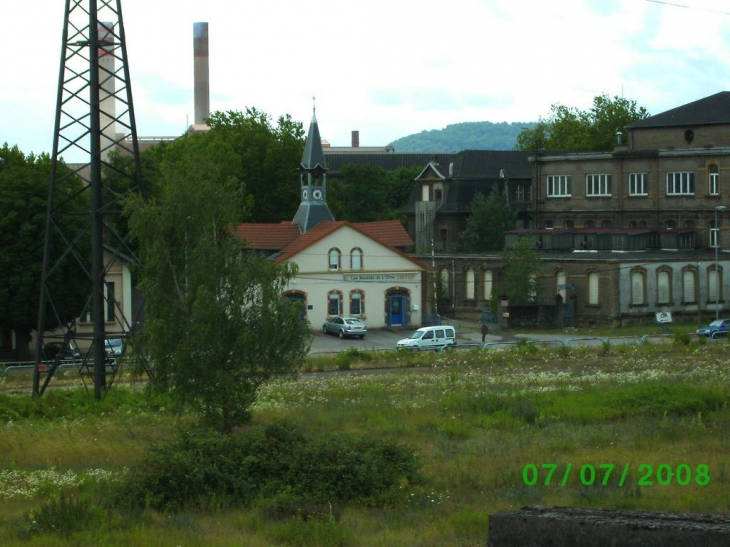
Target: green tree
<point x="266" y="159"/>
<point x="216" y="325"/>
<point x="24" y="184"/>
<point x="520" y="280"/>
<point x="569" y="129"/>
<point x="490" y="218"/>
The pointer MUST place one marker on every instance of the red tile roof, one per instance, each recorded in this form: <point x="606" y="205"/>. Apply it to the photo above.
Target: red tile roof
<point x="268" y="236"/>
<point x="285" y="236"/>
<point x="390" y="232"/>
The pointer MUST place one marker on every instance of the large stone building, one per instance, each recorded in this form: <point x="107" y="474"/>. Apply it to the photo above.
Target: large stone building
<point x="623" y="235"/>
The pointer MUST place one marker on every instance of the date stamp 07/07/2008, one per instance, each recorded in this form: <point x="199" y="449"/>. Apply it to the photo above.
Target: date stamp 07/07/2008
<point x="609" y="474"/>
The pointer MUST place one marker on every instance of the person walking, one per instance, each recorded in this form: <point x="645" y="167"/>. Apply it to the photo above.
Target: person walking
<point x="485" y="331"/>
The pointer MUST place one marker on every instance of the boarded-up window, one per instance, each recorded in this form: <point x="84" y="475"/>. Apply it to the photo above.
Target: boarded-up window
<point x="593" y="289"/>
<point x="663" y="288"/>
<point x="712" y="279"/>
<point x="689" y="294"/>
<point x="488" y="284"/>
<point x="637" y="288"/>
<point x="470" y="284"/>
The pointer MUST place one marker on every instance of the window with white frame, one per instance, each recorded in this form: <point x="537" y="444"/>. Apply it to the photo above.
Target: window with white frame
<point x="714" y="180"/>
<point x="470" y="284"/>
<point x="681" y="184"/>
<point x="714" y="233"/>
<point x="664" y="287"/>
<point x="357" y="303"/>
<point x="593" y="289"/>
<point x="356" y="259"/>
<point x="689" y="286"/>
<point x="559" y="186"/>
<point x="638" y="184"/>
<point x="488" y="284"/>
<point x="334" y="259"/>
<point x="598" y="185"/>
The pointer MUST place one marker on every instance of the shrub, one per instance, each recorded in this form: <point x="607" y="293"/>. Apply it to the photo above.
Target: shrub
<point x="63" y="515"/>
<point x="208" y="471"/>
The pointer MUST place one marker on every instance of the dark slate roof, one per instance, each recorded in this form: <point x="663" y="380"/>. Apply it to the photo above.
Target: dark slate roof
<point x="311" y="213"/>
<point x="487" y="164"/>
<point x="475" y="171"/>
<point x="711" y="110"/>
<point x="390" y="161"/>
<point x="313" y="156"/>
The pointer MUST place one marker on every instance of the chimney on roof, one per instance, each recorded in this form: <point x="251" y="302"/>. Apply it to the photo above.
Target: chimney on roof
<point x="202" y="76"/>
<point x="356" y="139"/>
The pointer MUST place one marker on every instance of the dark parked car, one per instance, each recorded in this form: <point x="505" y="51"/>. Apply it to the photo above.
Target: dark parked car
<point x="717" y="328"/>
<point x="345" y="327"/>
<point x="65" y="352"/>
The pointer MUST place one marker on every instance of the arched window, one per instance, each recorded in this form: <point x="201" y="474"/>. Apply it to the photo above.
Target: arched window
<point x="606" y="224"/>
<point x="714" y="284"/>
<point x="664" y="286"/>
<point x="714" y="180"/>
<point x="689" y="286"/>
<point x="334" y="258"/>
<point x="488" y="284"/>
<point x="589" y="224"/>
<point x="470" y="284"/>
<point x="671" y="224"/>
<point x="357" y="302"/>
<point x="638" y="287"/>
<point x="561" y="280"/>
<point x="356" y="259"/>
<point x="593" y="288"/>
<point x="568" y="224"/>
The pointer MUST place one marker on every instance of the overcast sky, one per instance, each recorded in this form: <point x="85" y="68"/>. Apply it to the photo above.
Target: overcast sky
<point x="387" y="68"/>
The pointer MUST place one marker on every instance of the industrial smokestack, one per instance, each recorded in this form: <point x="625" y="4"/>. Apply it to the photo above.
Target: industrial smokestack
<point x="356" y="139"/>
<point x="202" y="76"/>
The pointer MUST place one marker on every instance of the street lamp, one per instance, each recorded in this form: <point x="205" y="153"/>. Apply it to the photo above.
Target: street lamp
<point x="718" y="209"/>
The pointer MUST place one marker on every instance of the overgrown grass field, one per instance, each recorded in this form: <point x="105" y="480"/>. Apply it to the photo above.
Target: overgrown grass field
<point x="486" y="429"/>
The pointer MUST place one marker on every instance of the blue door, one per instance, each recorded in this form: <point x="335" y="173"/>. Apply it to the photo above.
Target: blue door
<point x="396" y="310"/>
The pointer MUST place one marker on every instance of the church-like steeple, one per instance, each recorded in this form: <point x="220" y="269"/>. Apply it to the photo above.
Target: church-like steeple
<point x="313" y="207"/>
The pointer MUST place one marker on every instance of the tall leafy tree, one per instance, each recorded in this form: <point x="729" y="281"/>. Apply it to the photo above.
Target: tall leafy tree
<point x="521" y="269"/>
<point x="490" y="218"/>
<point x="569" y="129"/>
<point x="216" y="327"/>
<point x="24" y="185"/>
<point x="267" y="157"/>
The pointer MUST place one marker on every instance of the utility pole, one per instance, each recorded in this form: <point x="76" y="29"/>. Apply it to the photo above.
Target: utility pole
<point x="94" y="117"/>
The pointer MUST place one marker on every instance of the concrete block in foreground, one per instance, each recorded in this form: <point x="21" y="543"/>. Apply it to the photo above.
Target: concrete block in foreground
<point x="578" y="527"/>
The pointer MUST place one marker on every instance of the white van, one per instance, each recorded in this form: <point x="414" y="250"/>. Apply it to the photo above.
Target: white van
<point x="429" y="338"/>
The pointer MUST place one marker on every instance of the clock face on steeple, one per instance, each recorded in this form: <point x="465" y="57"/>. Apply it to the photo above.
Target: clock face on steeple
<point x="317" y="194"/>
<point x="305" y="194"/>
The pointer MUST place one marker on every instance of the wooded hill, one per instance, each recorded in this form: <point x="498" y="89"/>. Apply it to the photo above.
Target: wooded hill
<point x="464" y="136"/>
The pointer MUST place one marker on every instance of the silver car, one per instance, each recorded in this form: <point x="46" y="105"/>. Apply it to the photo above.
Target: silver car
<point x="345" y="327"/>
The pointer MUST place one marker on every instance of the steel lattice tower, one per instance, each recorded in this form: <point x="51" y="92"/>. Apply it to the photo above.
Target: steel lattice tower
<point x="94" y="117"/>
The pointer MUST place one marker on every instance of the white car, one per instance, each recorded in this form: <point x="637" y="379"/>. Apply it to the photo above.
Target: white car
<point x="433" y="338"/>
